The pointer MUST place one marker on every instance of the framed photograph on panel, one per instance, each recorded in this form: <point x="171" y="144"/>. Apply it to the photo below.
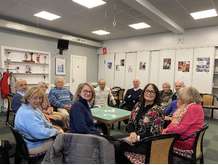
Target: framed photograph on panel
<point x="60" y="66"/>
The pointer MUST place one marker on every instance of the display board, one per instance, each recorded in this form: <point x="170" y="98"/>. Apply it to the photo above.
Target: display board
<point x="203" y="68"/>
<point x="119" y="71"/>
<point x="184" y="65"/>
<point x="166" y="67"/>
<point x="143" y="67"/>
<point x="154" y="67"/>
<point x="130" y="69"/>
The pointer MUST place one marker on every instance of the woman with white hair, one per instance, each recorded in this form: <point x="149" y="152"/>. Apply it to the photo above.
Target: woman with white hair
<point x="187" y="119"/>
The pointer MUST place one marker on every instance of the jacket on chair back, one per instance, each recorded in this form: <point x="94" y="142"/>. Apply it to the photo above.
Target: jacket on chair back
<point x="80" y="149"/>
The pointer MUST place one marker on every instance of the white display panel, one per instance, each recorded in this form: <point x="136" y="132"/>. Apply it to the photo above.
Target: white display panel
<point x="203" y="68"/>
<point x="109" y="70"/>
<point x="184" y="65"/>
<point x="154" y="67"/>
<point x="130" y="69"/>
<point x="101" y="67"/>
<point x="119" y="71"/>
<point x="143" y="67"/>
<point x="166" y="66"/>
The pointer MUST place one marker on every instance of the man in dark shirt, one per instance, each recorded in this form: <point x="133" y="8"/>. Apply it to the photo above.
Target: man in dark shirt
<point x="132" y="96"/>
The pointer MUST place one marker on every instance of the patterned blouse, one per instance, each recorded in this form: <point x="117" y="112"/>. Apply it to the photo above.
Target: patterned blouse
<point x="146" y="120"/>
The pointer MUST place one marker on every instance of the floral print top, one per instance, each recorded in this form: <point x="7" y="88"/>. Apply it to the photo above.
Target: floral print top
<point x="146" y="120"/>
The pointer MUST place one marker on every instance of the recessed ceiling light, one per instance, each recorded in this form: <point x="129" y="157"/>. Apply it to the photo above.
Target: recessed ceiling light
<point x="141" y="25"/>
<point x="90" y="3"/>
<point x="101" y="32"/>
<point x="204" y="14"/>
<point x="46" y="15"/>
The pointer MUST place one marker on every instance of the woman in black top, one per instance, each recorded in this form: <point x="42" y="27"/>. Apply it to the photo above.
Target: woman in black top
<point x="146" y="120"/>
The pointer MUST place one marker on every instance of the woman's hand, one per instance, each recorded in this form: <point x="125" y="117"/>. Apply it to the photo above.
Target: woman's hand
<point x="50" y="110"/>
<point x="133" y="137"/>
<point x="168" y="118"/>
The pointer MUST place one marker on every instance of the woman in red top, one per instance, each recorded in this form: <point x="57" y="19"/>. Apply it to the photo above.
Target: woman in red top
<point x="188" y="118"/>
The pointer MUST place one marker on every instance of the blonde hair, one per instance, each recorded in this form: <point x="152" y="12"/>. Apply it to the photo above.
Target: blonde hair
<point x="189" y="95"/>
<point x="32" y="91"/>
<point x="79" y="89"/>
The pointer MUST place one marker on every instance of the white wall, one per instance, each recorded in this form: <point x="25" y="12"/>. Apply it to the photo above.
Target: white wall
<point x="191" y="38"/>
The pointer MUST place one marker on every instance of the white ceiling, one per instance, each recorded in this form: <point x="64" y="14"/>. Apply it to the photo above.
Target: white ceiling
<point x="80" y="21"/>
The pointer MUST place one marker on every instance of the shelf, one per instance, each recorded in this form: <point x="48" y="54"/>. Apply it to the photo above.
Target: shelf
<point x="21" y="62"/>
<point x="30" y="74"/>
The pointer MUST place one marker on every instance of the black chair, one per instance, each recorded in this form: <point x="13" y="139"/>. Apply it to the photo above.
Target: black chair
<point x="22" y="153"/>
<point x="159" y="150"/>
<point x="197" y="148"/>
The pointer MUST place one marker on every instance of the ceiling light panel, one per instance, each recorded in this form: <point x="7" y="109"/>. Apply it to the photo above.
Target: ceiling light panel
<point x="47" y="15"/>
<point x="138" y="26"/>
<point x="101" y="32"/>
<point x="204" y="14"/>
<point x="90" y="3"/>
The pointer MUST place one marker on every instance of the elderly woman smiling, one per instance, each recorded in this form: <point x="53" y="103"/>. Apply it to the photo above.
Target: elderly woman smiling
<point x="31" y="122"/>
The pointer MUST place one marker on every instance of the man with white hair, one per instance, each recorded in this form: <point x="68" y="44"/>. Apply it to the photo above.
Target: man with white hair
<point x="178" y="85"/>
<point x="21" y="88"/>
<point x="132" y="95"/>
<point x="60" y="97"/>
<point x="165" y="94"/>
<point x="102" y="93"/>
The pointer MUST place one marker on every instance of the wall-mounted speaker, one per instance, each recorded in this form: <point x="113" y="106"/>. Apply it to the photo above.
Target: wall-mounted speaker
<point x="62" y="45"/>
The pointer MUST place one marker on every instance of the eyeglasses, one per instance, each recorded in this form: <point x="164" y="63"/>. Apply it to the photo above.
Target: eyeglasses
<point x="86" y="91"/>
<point x="150" y="92"/>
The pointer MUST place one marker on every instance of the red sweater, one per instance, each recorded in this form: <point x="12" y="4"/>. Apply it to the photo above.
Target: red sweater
<point x="192" y="121"/>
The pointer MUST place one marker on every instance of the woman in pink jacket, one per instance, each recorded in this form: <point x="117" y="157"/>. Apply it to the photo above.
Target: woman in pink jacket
<point x="187" y="119"/>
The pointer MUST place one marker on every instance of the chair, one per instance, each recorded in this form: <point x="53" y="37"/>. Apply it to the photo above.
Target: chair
<point x="197" y="148"/>
<point x="22" y="152"/>
<point x="72" y="148"/>
<point x="158" y="152"/>
<point x="9" y="110"/>
<point x="208" y="103"/>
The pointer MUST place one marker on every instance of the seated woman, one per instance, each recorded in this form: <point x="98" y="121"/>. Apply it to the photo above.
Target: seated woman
<point x="146" y="120"/>
<point x="31" y="123"/>
<point x="187" y="119"/>
<point x="56" y="118"/>
<point x="81" y="120"/>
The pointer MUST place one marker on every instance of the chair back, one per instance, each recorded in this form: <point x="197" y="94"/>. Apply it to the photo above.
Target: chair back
<point x="21" y="148"/>
<point x="161" y="149"/>
<point x="198" y="144"/>
<point x="207" y="99"/>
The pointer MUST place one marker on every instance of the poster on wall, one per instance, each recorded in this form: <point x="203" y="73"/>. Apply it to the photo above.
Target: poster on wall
<point x="203" y="64"/>
<point x="142" y="65"/>
<point x="60" y="66"/>
<point x="183" y="66"/>
<point x="109" y="65"/>
<point x="166" y="63"/>
<point x="122" y="62"/>
<point x="117" y="67"/>
<point x="130" y="69"/>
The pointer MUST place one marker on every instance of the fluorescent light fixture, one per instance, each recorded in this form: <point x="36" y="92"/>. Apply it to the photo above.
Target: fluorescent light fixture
<point x="101" y="32"/>
<point x="16" y="26"/>
<point x="141" y="25"/>
<point x="46" y="15"/>
<point x="90" y="3"/>
<point x="204" y="14"/>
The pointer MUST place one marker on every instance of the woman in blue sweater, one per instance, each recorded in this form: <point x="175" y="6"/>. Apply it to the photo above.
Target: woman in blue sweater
<point x="32" y="124"/>
<point x="81" y="120"/>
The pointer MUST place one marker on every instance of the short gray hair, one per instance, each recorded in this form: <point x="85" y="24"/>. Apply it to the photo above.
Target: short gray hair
<point x="189" y="95"/>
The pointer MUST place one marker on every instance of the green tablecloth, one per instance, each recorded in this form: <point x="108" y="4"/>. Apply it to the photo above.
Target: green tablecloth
<point x="109" y="113"/>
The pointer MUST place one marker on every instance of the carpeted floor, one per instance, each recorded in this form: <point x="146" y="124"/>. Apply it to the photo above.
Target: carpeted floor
<point x="210" y="139"/>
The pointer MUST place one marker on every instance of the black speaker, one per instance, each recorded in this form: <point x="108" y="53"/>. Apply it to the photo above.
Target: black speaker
<point x="62" y="45"/>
